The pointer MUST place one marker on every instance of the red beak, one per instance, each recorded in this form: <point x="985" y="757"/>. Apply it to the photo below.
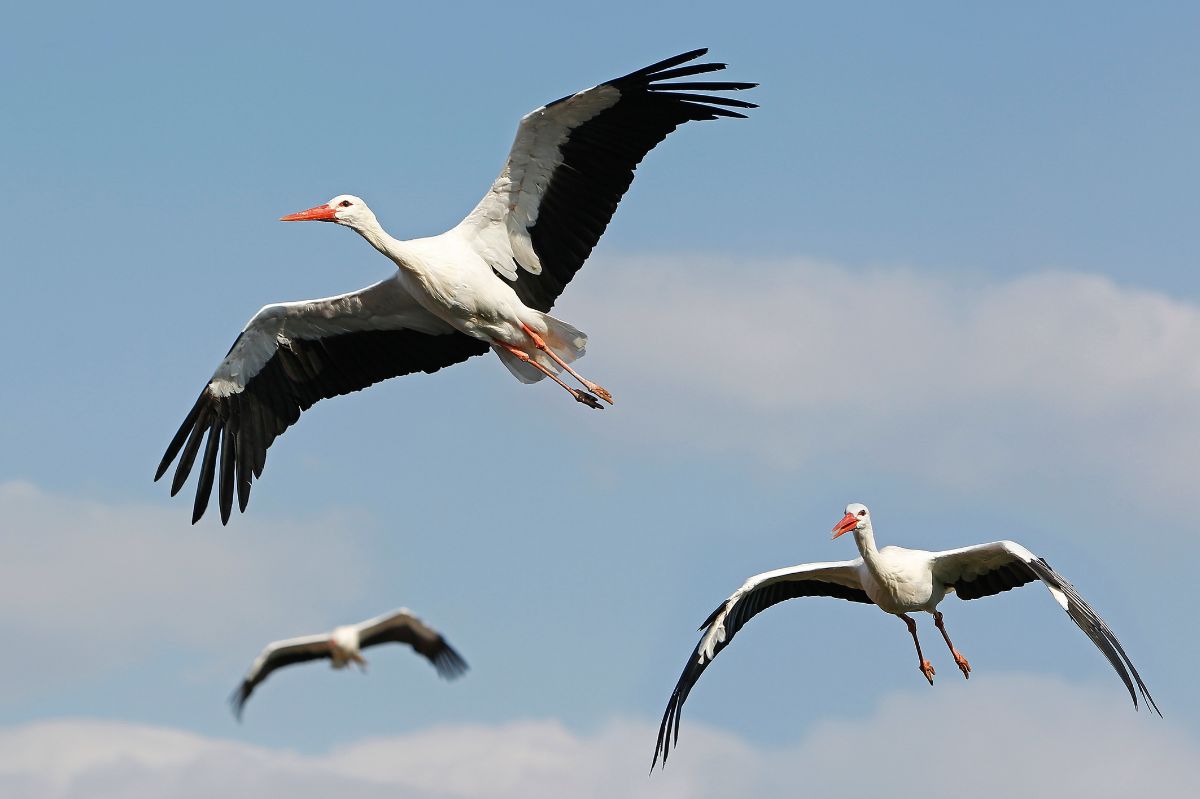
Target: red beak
<point x="322" y="213"/>
<point x="848" y="523"/>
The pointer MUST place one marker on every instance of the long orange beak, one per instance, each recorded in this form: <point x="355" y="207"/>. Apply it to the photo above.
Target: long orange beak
<point x="848" y="523"/>
<point x="322" y="213"/>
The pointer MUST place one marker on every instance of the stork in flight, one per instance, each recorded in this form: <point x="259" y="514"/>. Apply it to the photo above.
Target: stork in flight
<point x="343" y="646"/>
<point x="899" y="581"/>
<point x="485" y="284"/>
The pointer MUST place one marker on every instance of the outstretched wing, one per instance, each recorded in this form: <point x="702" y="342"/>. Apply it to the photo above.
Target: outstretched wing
<point x="403" y="627"/>
<point x="275" y="656"/>
<point x="987" y="569"/>
<point x="571" y="163"/>
<point x="290" y="356"/>
<point x="839" y="579"/>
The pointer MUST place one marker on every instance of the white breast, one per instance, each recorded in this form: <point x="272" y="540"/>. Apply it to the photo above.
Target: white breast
<point x="345" y="642"/>
<point x="902" y="581"/>
<point x="456" y="284"/>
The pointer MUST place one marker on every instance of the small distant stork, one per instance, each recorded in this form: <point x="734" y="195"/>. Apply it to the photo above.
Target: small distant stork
<point x="343" y="646"/>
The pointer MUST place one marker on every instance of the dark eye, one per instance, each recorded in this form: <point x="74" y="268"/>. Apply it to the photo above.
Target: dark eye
<point x="862" y="513"/>
<point x="345" y="203"/>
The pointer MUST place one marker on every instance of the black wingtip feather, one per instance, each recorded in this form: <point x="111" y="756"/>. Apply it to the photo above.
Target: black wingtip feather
<point x="704" y="99"/>
<point x="666" y="63"/>
<point x="705" y="86"/>
<point x="246" y="423"/>
<point x="449" y="664"/>
<point x="1098" y="631"/>
<point x="739" y="613"/>
<point x="226" y="478"/>
<point x="683" y="72"/>
<point x="207" y="470"/>
<point x="237" y="701"/>
<point x="188" y="456"/>
<point x="598" y="159"/>
<point x="712" y="616"/>
<point x="181" y="435"/>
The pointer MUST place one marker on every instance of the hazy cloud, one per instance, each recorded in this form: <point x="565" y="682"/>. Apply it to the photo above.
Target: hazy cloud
<point x="116" y="582"/>
<point x="963" y="382"/>
<point x="1020" y="735"/>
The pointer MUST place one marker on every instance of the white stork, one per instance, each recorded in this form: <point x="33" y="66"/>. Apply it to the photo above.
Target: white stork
<point x="485" y="284"/>
<point x="343" y="646"/>
<point x="899" y="581"/>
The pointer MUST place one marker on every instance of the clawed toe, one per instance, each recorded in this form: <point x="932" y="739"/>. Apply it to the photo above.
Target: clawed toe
<point x="602" y="393"/>
<point x="963" y="665"/>
<point x="588" y="400"/>
<point x="927" y="670"/>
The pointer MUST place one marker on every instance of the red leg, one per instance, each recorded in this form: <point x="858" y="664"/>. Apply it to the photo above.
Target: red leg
<point x="580" y="396"/>
<point x="538" y="342"/>
<point x="926" y="666"/>
<point x="963" y="665"/>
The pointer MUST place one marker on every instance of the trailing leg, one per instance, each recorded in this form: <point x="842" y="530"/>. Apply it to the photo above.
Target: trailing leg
<point x="540" y="343"/>
<point x="925" y="666"/>
<point x="963" y="665"/>
<point x="580" y="396"/>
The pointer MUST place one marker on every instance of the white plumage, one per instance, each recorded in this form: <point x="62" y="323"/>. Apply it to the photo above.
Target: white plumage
<point x="488" y="283"/>
<point x="344" y="646"/>
<point x="899" y="581"/>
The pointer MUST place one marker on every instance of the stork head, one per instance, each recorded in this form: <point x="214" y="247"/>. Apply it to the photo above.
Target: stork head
<point x="344" y="209"/>
<point x="857" y="518"/>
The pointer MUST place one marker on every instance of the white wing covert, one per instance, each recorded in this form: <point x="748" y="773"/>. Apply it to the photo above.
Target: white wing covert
<point x="274" y="656"/>
<point x="570" y="164"/>
<point x="988" y="569"/>
<point x="837" y="579"/>
<point x="290" y="356"/>
<point x="403" y="627"/>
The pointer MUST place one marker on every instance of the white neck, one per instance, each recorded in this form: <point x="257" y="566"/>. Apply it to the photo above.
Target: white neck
<point x="865" y="538"/>
<point x="373" y="232"/>
<point x="395" y="249"/>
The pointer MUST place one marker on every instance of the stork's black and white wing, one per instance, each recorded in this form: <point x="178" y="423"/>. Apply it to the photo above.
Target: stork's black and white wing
<point x="402" y="627"/>
<point x="275" y="656"/>
<point x="288" y="357"/>
<point x="987" y="569"/>
<point x="571" y="163"/>
<point x="839" y="579"/>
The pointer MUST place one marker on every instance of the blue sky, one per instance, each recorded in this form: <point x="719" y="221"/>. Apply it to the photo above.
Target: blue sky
<point x="947" y="269"/>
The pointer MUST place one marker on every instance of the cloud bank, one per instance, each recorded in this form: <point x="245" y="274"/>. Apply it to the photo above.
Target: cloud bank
<point x="1020" y="736"/>
<point x="1052" y="378"/>
<point x="114" y="583"/>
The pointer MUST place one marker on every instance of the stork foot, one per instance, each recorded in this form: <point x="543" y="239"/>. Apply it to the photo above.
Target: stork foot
<point x="927" y="670"/>
<point x="587" y="399"/>
<point x="598" y="391"/>
<point x="601" y="392"/>
<point x="963" y="665"/>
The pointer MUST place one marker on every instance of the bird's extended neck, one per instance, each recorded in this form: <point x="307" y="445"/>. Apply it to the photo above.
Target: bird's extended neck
<point x="397" y="250"/>
<point x="865" y="539"/>
<point x="373" y="232"/>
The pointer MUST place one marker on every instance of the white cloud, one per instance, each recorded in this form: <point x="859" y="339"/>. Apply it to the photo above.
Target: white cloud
<point x="88" y="585"/>
<point x="971" y="384"/>
<point x="1017" y="736"/>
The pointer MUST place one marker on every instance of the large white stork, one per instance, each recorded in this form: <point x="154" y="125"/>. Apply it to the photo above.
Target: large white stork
<point x="343" y="646"/>
<point x="485" y="284"/>
<point x="900" y="581"/>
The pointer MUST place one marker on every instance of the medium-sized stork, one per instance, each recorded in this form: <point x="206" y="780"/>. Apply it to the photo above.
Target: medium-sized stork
<point x="899" y="581"/>
<point x="344" y="646"/>
<point x="487" y="283"/>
